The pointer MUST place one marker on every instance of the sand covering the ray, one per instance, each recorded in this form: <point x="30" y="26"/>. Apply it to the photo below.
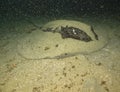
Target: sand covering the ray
<point x="39" y="44"/>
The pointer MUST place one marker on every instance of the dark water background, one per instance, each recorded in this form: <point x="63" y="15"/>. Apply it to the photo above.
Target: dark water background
<point x="14" y="28"/>
<point x="58" y="8"/>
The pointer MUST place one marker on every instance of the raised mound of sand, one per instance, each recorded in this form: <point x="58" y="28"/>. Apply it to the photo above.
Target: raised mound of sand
<point x="39" y="44"/>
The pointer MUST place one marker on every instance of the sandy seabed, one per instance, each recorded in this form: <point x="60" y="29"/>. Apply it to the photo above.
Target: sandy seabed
<point x="28" y="60"/>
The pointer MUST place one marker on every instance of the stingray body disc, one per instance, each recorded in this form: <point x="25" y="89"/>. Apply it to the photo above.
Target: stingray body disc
<point x="41" y="44"/>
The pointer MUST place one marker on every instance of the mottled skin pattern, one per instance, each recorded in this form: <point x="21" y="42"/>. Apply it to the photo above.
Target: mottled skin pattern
<point x="71" y="32"/>
<point x="76" y="33"/>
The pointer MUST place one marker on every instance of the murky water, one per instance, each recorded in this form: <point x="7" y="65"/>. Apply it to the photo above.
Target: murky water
<point x="32" y="60"/>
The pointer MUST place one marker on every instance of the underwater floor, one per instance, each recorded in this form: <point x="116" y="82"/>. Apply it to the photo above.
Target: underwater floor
<point x="28" y="60"/>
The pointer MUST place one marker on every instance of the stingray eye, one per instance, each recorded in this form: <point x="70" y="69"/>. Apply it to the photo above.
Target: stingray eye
<point x="74" y="31"/>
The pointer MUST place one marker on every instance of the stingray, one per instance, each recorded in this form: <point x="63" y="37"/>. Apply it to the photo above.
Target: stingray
<point x="61" y="39"/>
